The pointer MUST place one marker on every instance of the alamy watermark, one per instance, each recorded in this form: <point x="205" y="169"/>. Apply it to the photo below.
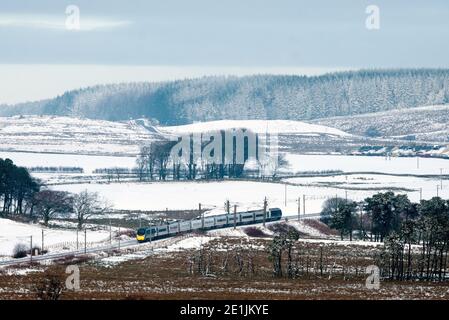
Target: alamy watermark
<point x="228" y="147"/>
<point x="373" y="280"/>
<point x="72" y="21"/>
<point x="72" y="282"/>
<point x="372" y="22"/>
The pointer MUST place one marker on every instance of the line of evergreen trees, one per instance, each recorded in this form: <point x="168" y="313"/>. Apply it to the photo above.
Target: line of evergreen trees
<point x="415" y="235"/>
<point x="17" y="188"/>
<point x="250" y="97"/>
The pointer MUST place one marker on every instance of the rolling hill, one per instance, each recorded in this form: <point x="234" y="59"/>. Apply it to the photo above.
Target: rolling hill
<point x="430" y="123"/>
<point x="251" y="97"/>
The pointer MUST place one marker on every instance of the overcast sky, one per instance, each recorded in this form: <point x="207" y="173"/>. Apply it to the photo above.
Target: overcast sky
<point x="159" y="40"/>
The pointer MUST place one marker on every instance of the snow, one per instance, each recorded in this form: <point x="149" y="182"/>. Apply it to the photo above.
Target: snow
<point x="73" y="135"/>
<point x="249" y="195"/>
<point x="301" y="163"/>
<point x="258" y="126"/>
<point x="12" y="233"/>
<point x="195" y="242"/>
<point x="304" y="228"/>
<point x="87" y="162"/>
<point x="188" y="194"/>
<point x="428" y="123"/>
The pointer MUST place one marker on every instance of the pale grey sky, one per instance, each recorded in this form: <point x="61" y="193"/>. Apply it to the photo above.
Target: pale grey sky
<point x="138" y="39"/>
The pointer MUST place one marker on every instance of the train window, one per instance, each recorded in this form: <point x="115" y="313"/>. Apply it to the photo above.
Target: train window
<point x="141" y="231"/>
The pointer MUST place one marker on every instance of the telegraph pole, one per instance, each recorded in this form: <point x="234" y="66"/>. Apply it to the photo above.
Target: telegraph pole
<point x="85" y="241"/>
<point x="31" y="248"/>
<point x="235" y="216"/>
<point x="299" y="208"/>
<point x="264" y="211"/>
<point x="285" y="195"/>
<point x="119" y="237"/>
<point x="42" y="246"/>
<point x="202" y="216"/>
<point x="361" y="223"/>
<point x="303" y="204"/>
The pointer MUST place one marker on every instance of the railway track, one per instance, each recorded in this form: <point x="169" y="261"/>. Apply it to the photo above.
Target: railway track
<point x="105" y="248"/>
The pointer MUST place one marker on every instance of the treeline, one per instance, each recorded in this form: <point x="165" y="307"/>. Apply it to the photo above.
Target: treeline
<point x="415" y="235"/>
<point x="42" y="169"/>
<point x="24" y="197"/>
<point x="250" y="97"/>
<point x="17" y="188"/>
<point x="155" y="163"/>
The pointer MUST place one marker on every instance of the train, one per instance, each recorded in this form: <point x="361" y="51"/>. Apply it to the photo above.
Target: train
<point x="207" y="223"/>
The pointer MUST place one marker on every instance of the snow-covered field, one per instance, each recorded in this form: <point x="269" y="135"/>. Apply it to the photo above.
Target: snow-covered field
<point x="70" y="135"/>
<point x="87" y="162"/>
<point x="250" y="195"/>
<point x="12" y="233"/>
<point x="301" y="163"/>
<point x="73" y="135"/>
<point x="258" y="126"/>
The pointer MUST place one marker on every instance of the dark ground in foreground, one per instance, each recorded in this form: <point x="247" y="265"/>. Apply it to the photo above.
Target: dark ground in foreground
<point x="226" y="268"/>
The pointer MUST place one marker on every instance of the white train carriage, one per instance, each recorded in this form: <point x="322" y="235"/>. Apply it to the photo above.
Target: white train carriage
<point x="185" y="226"/>
<point x="259" y="216"/>
<point x="209" y="222"/>
<point x="231" y="219"/>
<point x="221" y="221"/>
<point x="162" y="231"/>
<point x="173" y="228"/>
<point x="246" y="218"/>
<point x="196" y="224"/>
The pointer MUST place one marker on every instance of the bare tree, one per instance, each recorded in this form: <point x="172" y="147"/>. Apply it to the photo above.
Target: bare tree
<point x="86" y="204"/>
<point x="51" y="286"/>
<point x="49" y="202"/>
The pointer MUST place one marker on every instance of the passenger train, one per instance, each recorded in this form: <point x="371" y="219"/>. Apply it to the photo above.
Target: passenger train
<point x="207" y="223"/>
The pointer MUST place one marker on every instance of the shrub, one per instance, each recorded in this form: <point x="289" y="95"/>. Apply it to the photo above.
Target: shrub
<point x="280" y="227"/>
<point x="51" y="286"/>
<point x="20" y="251"/>
<point x="128" y="232"/>
<point x="255" y="232"/>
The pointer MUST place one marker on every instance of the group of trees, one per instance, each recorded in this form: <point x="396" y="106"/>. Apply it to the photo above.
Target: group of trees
<point x="155" y="162"/>
<point x="21" y="195"/>
<point x="404" y="227"/>
<point x="283" y="242"/>
<point x="17" y="188"/>
<point x="251" y="97"/>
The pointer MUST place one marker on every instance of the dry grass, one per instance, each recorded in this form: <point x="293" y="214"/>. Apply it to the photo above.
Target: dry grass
<point x="321" y="227"/>
<point x="166" y="275"/>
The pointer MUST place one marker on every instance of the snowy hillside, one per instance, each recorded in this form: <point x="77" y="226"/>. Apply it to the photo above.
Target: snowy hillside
<point x="258" y="126"/>
<point x="428" y="123"/>
<point x="250" y="97"/>
<point x="74" y="135"/>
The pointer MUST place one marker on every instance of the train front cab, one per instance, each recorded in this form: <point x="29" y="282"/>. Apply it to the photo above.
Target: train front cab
<point x="141" y="235"/>
<point x="275" y="214"/>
